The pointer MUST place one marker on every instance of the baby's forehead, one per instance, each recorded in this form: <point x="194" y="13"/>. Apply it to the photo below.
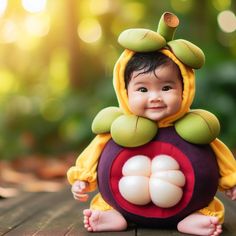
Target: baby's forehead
<point x="163" y="72"/>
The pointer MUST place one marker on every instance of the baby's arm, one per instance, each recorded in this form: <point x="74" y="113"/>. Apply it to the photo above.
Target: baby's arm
<point x="231" y="193"/>
<point x="86" y="164"/>
<point x="79" y="190"/>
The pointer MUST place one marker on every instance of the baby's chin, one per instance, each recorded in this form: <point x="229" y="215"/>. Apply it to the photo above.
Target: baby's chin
<point x="156" y="116"/>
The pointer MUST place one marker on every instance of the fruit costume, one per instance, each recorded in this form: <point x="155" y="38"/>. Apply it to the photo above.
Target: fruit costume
<point x="122" y="135"/>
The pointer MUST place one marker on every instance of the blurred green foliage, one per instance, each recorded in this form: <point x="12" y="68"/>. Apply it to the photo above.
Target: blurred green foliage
<point x="56" y="67"/>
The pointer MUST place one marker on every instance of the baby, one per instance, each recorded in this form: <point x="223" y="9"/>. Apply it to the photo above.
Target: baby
<point x="153" y="85"/>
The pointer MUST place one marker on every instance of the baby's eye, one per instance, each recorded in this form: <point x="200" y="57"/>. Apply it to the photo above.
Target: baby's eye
<point x="166" y="88"/>
<point x="142" y="90"/>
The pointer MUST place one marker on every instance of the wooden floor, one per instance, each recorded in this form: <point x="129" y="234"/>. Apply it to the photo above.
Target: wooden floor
<point x="56" y="214"/>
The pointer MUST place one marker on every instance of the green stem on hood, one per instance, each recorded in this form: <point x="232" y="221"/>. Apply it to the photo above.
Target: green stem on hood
<point x="167" y="25"/>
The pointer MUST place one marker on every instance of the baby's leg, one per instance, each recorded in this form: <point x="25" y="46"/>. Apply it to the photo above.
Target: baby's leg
<point x="198" y="224"/>
<point x="110" y="220"/>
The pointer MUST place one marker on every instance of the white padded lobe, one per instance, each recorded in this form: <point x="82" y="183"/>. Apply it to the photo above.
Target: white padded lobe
<point x="160" y="181"/>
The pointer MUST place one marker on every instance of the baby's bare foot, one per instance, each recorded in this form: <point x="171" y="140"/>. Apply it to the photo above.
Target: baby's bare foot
<point x="198" y="224"/>
<point x="95" y="220"/>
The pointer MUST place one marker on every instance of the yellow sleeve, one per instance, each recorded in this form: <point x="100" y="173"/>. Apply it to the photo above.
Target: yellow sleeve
<point x="86" y="164"/>
<point x="226" y="163"/>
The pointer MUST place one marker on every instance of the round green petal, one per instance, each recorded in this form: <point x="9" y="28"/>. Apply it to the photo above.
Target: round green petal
<point x="133" y="131"/>
<point x="188" y="53"/>
<point x="198" y="127"/>
<point x="141" y="40"/>
<point x="103" y="120"/>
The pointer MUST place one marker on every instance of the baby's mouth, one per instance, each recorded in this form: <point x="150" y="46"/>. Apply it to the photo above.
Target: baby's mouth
<point x="156" y="108"/>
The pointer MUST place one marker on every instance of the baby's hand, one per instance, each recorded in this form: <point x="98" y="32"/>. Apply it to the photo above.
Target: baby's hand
<point x="79" y="191"/>
<point x="231" y="193"/>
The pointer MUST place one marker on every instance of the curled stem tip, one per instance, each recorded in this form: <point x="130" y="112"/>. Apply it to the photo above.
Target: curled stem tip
<point x="167" y="25"/>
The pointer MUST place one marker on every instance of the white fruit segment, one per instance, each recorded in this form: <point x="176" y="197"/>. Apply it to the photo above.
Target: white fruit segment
<point x="135" y="189"/>
<point x="159" y="181"/>
<point x="164" y="162"/>
<point x="175" y="177"/>
<point x="137" y="165"/>
<point x="164" y="194"/>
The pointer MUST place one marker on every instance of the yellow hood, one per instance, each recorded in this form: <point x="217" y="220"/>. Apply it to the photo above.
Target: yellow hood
<point x="86" y="164"/>
<point x="188" y="81"/>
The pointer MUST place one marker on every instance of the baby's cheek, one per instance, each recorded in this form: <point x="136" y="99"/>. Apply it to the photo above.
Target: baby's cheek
<point x="159" y="181"/>
<point x="136" y="104"/>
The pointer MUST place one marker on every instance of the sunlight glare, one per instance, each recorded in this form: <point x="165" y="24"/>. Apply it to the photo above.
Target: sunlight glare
<point x="34" y="6"/>
<point x="3" y="6"/>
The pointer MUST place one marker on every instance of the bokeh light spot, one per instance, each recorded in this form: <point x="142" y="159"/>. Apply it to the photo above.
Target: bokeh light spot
<point x="134" y="11"/>
<point x="227" y="21"/>
<point x="34" y="6"/>
<point x="20" y="105"/>
<point x="70" y="129"/>
<point x="58" y="70"/>
<point x="37" y="25"/>
<point x="52" y="110"/>
<point x="221" y="5"/>
<point x="8" y="31"/>
<point x="89" y="30"/>
<point x="182" y="6"/>
<point x="8" y="83"/>
<point x="99" y="7"/>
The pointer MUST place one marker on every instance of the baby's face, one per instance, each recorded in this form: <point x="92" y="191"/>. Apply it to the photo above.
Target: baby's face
<point x="155" y="96"/>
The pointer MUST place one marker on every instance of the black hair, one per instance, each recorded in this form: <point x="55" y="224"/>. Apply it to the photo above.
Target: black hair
<point x="148" y="61"/>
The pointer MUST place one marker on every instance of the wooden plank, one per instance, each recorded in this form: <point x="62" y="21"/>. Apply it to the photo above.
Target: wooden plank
<point x="10" y="203"/>
<point x="155" y="232"/>
<point x="16" y="215"/>
<point x="82" y="232"/>
<point x="56" y="220"/>
<point x="50" y="221"/>
<point x="23" y="212"/>
<point x="59" y="215"/>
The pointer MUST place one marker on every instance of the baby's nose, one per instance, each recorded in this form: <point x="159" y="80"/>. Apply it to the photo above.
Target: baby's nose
<point x="155" y="97"/>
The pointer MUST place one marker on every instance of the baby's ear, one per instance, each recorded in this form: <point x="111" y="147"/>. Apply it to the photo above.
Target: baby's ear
<point x="103" y="120"/>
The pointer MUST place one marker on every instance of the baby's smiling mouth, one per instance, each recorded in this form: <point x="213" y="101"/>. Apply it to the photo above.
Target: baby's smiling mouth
<point x="156" y="108"/>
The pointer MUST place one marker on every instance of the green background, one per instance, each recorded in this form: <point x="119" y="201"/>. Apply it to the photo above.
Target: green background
<point x="56" y="67"/>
